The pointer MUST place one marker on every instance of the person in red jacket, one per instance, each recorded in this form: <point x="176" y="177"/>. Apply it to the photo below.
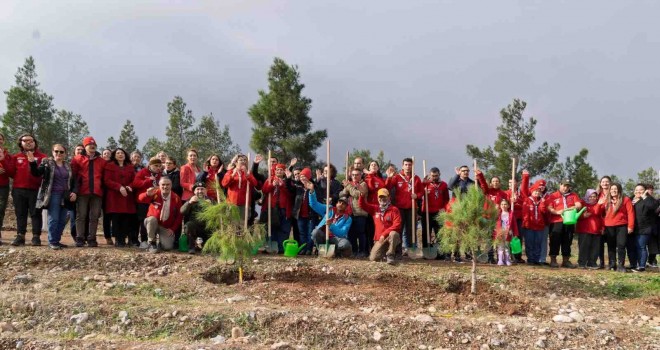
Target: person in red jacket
<point x="189" y="172"/>
<point x="494" y="194"/>
<point x="88" y="171"/>
<point x="561" y="235"/>
<point x="403" y="183"/>
<point x="5" y="157"/>
<point x="25" y="188"/>
<point x="375" y="181"/>
<point x="276" y="187"/>
<point x="603" y="190"/>
<point x="236" y="181"/>
<point x="118" y="176"/>
<point x="619" y="222"/>
<point x="438" y="197"/>
<point x="505" y="229"/>
<point x="387" y="221"/>
<point x="145" y="179"/>
<point x="589" y="228"/>
<point x="164" y="214"/>
<point x="533" y="212"/>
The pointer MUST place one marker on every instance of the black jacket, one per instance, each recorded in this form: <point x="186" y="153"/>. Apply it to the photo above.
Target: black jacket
<point x="645" y="215"/>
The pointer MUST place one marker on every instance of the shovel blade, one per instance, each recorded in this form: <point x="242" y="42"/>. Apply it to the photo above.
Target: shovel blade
<point x="326" y="251"/>
<point x="415" y="253"/>
<point x="271" y="247"/>
<point x="430" y="253"/>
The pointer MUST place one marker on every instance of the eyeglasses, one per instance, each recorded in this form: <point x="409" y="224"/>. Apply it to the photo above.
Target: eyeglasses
<point x="465" y="171"/>
<point x="27" y="140"/>
<point x="57" y="151"/>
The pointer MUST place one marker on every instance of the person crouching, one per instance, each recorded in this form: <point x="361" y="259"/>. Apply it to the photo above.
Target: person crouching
<point x="163" y="215"/>
<point x="196" y="228"/>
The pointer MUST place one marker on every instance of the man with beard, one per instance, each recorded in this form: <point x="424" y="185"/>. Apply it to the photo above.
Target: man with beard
<point x="387" y="221"/>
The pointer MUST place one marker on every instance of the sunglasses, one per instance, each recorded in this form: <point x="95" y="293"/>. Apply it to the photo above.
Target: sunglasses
<point x="28" y="140"/>
<point x="57" y="151"/>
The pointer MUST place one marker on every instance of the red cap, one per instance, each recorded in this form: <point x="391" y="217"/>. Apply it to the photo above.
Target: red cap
<point x="280" y="166"/>
<point x="307" y="172"/>
<point x="89" y="141"/>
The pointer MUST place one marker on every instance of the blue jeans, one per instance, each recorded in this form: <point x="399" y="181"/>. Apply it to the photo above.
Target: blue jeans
<point x="305" y="229"/>
<point x="533" y="244"/>
<point x="544" y="245"/>
<point x="642" y="251"/>
<point x="56" y="218"/>
<point x="357" y="235"/>
<point x="283" y="231"/>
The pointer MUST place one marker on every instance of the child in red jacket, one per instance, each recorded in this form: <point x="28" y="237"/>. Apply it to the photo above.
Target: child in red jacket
<point x="505" y="229"/>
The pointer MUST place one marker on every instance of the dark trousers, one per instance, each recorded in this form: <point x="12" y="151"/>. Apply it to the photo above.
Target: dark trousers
<point x="533" y="244"/>
<point x="561" y="236"/>
<point x="296" y="231"/>
<point x="616" y="244"/>
<point x="24" y="204"/>
<point x="107" y="225"/>
<point x="142" y="210"/>
<point x="434" y="227"/>
<point x="357" y="235"/>
<point x="88" y="207"/>
<point x="370" y="230"/>
<point x="408" y="229"/>
<point x="195" y="229"/>
<point x="601" y="252"/>
<point x="121" y="225"/>
<point x="588" y="249"/>
<point x="4" y="197"/>
<point x="631" y="249"/>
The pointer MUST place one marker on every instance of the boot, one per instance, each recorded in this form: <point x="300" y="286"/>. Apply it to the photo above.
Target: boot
<point x="507" y="257"/>
<point x="500" y="257"/>
<point x="36" y="240"/>
<point x="518" y="258"/>
<point x="19" y="240"/>
<point x="565" y="262"/>
<point x="553" y="261"/>
<point x="622" y="264"/>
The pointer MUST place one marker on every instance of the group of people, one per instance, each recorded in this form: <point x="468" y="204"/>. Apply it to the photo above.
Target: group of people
<point x="372" y="213"/>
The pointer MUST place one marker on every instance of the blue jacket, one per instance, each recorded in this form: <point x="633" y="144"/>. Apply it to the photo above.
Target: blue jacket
<point x="340" y="227"/>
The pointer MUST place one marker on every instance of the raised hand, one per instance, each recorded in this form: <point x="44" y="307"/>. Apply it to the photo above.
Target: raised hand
<point x="390" y="171"/>
<point x="293" y="161"/>
<point x="457" y="170"/>
<point x="310" y="186"/>
<point x="258" y="158"/>
<point x="525" y="172"/>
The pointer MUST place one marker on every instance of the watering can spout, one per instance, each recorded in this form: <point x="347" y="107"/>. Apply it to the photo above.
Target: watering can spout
<point x="579" y="213"/>
<point x="301" y="247"/>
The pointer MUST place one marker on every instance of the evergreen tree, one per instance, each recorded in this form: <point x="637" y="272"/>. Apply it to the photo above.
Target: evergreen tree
<point x="515" y="137"/>
<point x="128" y="140"/>
<point x="29" y="110"/>
<point x="280" y="117"/>
<point x="581" y="174"/>
<point x="111" y="144"/>
<point x="468" y="227"/>
<point x="151" y="148"/>
<point x="180" y="130"/>
<point x="73" y="128"/>
<point x="210" y="138"/>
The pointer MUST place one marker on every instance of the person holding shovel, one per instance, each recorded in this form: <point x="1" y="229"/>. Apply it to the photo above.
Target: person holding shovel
<point x="438" y="197"/>
<point x="404" y="183"/>
<point x="276" y="186"/>
<point x="237" y="180"/>
<point x="387" y="221"/>
<point x="338" y="220"/>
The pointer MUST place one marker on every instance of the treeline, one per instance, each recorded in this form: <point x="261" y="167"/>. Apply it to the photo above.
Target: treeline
<point x="281" y="123"/>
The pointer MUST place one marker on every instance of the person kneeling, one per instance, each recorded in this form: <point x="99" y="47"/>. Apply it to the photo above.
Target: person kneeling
<point x="163" y="215"/>
<point x="387" y="222"/>
<point x="196" y="228"/>
<point x="338" y="220"/>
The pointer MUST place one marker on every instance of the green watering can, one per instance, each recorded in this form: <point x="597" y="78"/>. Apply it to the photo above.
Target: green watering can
<point x="291" y="248"/>
<point x="183" y="243"/>
<point x="571" y="216"/>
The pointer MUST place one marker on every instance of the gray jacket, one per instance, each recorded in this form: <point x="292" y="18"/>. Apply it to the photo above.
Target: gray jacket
<point x="47" y="170"/>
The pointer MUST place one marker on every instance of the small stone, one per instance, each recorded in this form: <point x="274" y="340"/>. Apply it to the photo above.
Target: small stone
<point x="123" y="316"/>
<point x="645" y="318"/>
<point x="423" y="318"/>
<point x="7" y="327"/>
<point x="501" y="328"/>
<point x="540" y="344"/>
<point x="422" y="347"/>
<point x="377" y="336"/>
<point x="578" y="317"/>
<point x="465" y="341"/>
<point x="495" y="342"/>
<point x="543" y="330"/>
<point x="280" y="345"/>
<point x="183" y="318"/>
<point x="19" y="344"/>
<point x="236" y="298"/>
<point x="25" y="279"/>
<point x="432" y="309"/>
<point x="237" y="332"/>
<point x="485" y="347"/>
<point x="218" y="339"/>
<point x="561" y="336"/>
<point x="79" y="318"/>
<point x="563" y="319"/>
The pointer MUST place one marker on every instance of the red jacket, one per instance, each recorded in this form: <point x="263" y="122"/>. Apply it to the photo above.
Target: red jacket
<point x="513" y="226"/>
<point x="6" y="165"/>
<point x="402" y="196"/>
<point x="282" y="199"/>
<point x="494" y="195"/>
<point x="384" y="223"/>
<point x="438" y="195"/>
<point x="19" y="169"/>
<point x="156" y="205"/>
<point x="142" y="181"/>
<point x="624" y="216"/>
<point x="533" y="213"/>
<point x="187" y="180"/>
<point x="89" y="175"/>
<point x="114" y="177"/>
<point x="556" y="201"/>
<point x="236" y="185"/>
<point x="374" y="183"/>
<point x="592" y="224"/>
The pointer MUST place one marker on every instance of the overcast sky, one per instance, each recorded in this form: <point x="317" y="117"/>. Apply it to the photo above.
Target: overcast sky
<point x="420" y="78"/>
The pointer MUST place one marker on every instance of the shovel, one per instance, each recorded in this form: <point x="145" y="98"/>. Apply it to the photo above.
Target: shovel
<point x="271" y="246"/>
<point x="327" y="250"/>
<point x="430" y="252"/>
<point x="414" y="252"/>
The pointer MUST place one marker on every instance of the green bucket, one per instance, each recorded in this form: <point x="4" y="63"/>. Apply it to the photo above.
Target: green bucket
<point x="516" y="246"/>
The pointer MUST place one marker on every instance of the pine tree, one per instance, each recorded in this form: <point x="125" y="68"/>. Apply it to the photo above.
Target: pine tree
<point x="210" y="138"/>
<point x="128" y="140"/>
<point x="111" y="144"/>
<point x="280" y="117"/>
<point x="179" y="132"/>
<point x="151" y="148"/>
<point x="576" y="169"/>
<point x="29" y="110"/>
<point x="468" y="227"/>
<point x="74" y="129"/>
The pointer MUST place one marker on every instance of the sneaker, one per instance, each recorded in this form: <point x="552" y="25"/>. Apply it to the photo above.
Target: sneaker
<point x="191" y="251"/>
<point x="36" y="241"/>
<point x="54" y="246"/>
<point x="492" y="261"/>
<point x="152" y="248"/>
<point x="404" y="252"/>
<point x="390" y="260"/>
<point x="520" y="261"/>
<point x="92" y="244"/>
<point x="593" y="267"/>
<point x="120" y="244"/>
<point x="621" y="269"/>
<point x="144" y="245"/>
<point x="80" y="243"/>
<point x="109" y="241"/>
<point x="639" y="269"/>
<point x="18" y="241"/>
<point x="654" y="264"/>
<point x="62" y="245"/>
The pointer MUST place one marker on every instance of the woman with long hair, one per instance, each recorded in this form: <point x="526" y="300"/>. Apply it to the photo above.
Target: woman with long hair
<point x="603" y="190"/>
<point x="645" y="226"/>
<point x="619" y="223"/>
<point x="214" y="172"/>
<point x="55" y="192"/>
<point x="189" y="173"/>
<point x="118" y="176"/>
